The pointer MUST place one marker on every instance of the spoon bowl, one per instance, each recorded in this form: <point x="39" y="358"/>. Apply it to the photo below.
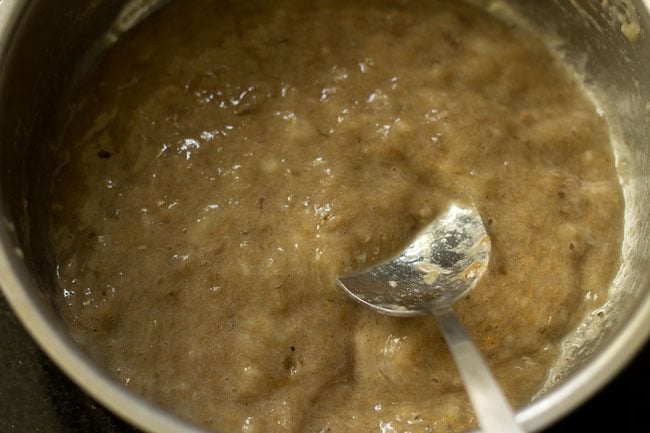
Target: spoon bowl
<point x="442" y="264"/>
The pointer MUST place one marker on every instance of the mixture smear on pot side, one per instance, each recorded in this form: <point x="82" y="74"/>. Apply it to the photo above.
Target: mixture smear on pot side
<point x="228" y="159"/>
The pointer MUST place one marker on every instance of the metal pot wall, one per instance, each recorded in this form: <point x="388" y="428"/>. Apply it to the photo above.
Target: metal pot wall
<point x="43" y="43"/>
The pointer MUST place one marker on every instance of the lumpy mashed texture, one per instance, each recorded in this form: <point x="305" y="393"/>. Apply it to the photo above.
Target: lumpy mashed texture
<point x="226" y="160"/>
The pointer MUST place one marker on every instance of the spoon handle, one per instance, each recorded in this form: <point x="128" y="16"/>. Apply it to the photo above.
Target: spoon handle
<point x="490" y="405"/>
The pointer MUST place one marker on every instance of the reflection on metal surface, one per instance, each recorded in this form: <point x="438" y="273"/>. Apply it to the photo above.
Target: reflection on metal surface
<point x="442" y="264"/>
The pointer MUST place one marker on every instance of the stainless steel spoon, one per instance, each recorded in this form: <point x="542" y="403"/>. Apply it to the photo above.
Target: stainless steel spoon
<point x="442" y="265"/>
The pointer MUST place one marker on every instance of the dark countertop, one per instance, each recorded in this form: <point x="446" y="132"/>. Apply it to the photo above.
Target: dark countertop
<point x="36" y="397"/>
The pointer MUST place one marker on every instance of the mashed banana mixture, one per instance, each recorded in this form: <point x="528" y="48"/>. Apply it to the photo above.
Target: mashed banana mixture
<point x="228" y="159"/>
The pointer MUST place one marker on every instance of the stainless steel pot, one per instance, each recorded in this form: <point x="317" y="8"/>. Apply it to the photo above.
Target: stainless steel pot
<point x="42" y="44"/>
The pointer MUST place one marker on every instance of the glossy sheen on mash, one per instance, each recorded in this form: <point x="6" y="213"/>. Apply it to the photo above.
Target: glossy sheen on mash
<point x="226" y="160"/>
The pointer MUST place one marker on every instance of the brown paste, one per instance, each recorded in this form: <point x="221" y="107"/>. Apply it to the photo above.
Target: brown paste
<point x="226" y="160"/>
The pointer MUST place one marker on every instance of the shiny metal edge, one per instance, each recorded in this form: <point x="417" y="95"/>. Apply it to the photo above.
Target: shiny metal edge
<point x="19" y="288"/>
<point x="592" y="376"/>
<point x="618" y="351"/>
<point x="53" y="339"/>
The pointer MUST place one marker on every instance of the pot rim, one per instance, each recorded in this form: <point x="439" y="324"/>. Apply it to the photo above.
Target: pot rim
<point x="23" y="295"/>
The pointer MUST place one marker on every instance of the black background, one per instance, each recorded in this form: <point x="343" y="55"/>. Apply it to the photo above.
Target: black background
<point x="36" y="397"/>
